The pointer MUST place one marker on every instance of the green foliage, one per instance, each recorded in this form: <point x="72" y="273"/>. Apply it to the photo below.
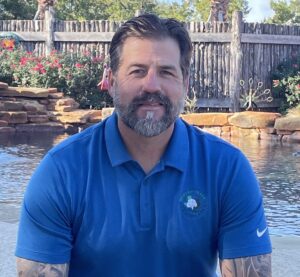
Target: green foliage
<point x="179" y="11"/>
<point x="17" y="9"/>
<point x="285" y="12"/>
<point x="202" y="8"/>
<point x="238" y="5"/>
<point x="75" y="75"/>
<point x="117" y="10"/>
<point x="81" y="9"/>
<point x="120" y="10"/>
<point x="286" y="81"/>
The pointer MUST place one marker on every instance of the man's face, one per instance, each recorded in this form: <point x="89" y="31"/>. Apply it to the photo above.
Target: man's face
<point x="148" y="89"/>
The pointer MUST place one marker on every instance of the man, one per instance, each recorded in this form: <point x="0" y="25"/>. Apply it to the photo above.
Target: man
<point x="143" y="193"/>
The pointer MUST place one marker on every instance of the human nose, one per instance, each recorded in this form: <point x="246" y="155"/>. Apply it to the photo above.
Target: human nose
<point x="151" y="82"/>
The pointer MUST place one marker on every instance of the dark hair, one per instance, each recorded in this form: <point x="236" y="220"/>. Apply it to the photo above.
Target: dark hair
<point x="152" y="27"/>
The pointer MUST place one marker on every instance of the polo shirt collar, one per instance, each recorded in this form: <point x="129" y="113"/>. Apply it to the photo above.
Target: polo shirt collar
<point x="176" y="154"/>
<point x="115" y="146"/>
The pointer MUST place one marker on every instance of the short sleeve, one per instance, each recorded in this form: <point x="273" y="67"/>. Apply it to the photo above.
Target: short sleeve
<point x="243" y="229"/>
<point x="45" y="227"/>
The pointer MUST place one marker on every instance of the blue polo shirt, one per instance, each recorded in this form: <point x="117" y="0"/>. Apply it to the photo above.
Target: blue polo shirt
<point x="91" y="205"/>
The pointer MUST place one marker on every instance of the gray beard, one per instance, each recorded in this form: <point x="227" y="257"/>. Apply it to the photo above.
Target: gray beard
<point x="148" y="127"/>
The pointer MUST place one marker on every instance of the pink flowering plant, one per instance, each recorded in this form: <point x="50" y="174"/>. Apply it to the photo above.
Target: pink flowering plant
<point x="286" y="82"/>
<point x="77" y="75"/>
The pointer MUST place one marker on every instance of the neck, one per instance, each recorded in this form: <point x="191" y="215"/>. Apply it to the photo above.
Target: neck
<point x="147" y="151"/>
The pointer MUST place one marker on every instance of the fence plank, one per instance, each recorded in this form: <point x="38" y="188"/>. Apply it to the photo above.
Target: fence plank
<point x="263" y="47"/>
<point x="235" y="61"/>
<point x="270" y="39"/>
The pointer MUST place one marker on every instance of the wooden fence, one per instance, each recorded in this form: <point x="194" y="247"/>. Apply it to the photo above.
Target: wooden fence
<point x="224" y="53"/>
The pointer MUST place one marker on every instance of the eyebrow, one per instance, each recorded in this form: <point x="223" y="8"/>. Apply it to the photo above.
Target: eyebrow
<point x="165" y="67"/>
<point x="169" y="67"/>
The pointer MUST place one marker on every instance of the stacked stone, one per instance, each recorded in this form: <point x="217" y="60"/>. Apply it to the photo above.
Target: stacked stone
<point x="37" y="109"/>
<point x="253" y="125"/>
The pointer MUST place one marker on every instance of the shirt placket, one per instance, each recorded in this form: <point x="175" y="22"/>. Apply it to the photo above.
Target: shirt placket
<point x="145" y="204"/>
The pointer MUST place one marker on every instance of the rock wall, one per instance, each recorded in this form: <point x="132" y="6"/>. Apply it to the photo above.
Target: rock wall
<point x="36" y="110"/>
<point x="41" y="110"/>
<point x="254" y="125"/>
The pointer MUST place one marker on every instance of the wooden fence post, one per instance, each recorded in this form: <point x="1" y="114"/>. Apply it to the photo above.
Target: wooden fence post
<point x="236" y="59"/>
<point x="49" y="28"/>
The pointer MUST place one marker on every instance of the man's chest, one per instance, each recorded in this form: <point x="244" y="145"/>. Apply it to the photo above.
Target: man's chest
<point x="168" y="211"/>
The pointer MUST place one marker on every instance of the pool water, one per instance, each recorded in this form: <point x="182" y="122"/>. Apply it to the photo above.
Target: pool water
<point x="276" y="164"/>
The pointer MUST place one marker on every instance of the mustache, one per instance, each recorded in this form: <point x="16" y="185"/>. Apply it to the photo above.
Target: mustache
<point x="155" y="97"/>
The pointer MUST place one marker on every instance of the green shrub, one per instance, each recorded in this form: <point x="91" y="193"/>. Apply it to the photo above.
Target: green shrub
<point x="74" y="74"/>
<point x="286" y="82"/>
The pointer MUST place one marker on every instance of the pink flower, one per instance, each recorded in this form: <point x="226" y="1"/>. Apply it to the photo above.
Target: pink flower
<point x="78" y="65"/>
<point x="53" y="52"/>
<point x="97" y="59"/>
<point x="39" y="68"/>
<point x="23" y="60"/>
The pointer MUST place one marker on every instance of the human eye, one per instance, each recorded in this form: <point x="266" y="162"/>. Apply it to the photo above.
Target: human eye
<point x="168" y="71"/>
<point x="137" y="72"/>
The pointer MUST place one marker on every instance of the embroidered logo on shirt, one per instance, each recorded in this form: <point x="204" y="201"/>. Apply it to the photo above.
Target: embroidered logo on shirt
<point x="261" y="233"/>
<point x="192" y="202"/>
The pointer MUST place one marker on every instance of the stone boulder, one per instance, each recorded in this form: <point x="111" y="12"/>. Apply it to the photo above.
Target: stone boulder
<point x="226" y="131"/>
<point x="32" y="106"/>
<point x="56" y="95"/>
<point x="251" y="119"/>
<point x="3" y="85"/>
<point x="24" y="92"/>
<point x="207" y="119"/>
<point x="95" y="116"/>
<point x="14" y="117"/>
<point x="288" y="123"/>
<point x="38" y="118"/>
<point x="106" y="112"/>
<point x="52" y="90"/>
<point x="237" y="132"/>
<point x="213" y="130"/>
<point x="11" y="106"/>
<point x="76" y="117"/>
<point x="41" y="127"/>
<point x="66" y="105"/>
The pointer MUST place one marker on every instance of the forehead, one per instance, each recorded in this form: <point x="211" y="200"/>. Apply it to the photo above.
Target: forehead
<point x="139" y="50"/>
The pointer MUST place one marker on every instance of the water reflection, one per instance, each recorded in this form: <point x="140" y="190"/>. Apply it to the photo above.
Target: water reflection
<point x="275" y="164"/>
<point x="19" y="155"/>
<point x="278" y="170"/>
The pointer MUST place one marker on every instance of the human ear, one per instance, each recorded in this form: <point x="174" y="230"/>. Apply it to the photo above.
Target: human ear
<point x="111" y="81"/>
<point x="186" y="84"/>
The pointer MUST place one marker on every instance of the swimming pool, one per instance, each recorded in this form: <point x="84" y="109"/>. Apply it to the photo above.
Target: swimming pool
<point x="276" y="164"/>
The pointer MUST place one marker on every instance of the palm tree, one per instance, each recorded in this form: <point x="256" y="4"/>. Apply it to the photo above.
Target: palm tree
<point x="218" y="11"/>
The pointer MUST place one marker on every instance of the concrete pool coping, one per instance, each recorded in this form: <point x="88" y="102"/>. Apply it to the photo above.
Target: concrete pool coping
<point x="285" y="257"/>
